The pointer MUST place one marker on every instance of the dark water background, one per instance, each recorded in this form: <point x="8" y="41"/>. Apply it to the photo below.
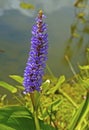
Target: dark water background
<point x="15" y="34"/>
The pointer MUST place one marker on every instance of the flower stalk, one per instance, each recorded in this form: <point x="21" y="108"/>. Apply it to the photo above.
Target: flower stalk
<point x="35" y="110"/>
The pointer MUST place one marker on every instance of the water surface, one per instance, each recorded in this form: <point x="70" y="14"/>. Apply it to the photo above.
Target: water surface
<point x="15" y="35"/>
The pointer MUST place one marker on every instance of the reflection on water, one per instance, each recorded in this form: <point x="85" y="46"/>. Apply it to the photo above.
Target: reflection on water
<point x="68" y="35"/>
<point x="2" y="51"/>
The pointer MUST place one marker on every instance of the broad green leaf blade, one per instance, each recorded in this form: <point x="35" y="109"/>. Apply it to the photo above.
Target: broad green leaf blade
<point x="80" y="114"/>
<point x="84" y="111"/>
<point x="5" y="127"/>
<point x="17" y="117"/>
<point x="7" y="86"/>
<point x="74" y="120"/>
<point x="17" y="78"/>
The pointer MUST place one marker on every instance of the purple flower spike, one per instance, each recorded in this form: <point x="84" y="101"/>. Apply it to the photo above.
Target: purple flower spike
<point x="37" y="56"/>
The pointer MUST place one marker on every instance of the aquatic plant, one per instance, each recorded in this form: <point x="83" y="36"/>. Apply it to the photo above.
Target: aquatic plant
<point x="57" y="105"/>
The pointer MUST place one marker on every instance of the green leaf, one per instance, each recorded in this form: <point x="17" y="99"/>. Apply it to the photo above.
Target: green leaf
<point x="3" y="97"/>
<point x="17" y="78"/>
<point x="80" y="115"/>
<point x="88" y="49"/>
<point x="45" y="86"/>
<point x="85" y="82"/>
<point x="20" y="87"/>
<point x="35" y="97"/>
<point x="85" y="67"/>
<point x="53" y="106"/>
<point x="56" y="103"/>
<point x="84" y="111"/>
<point x="17" y="118"/>
<point x="74" y="120"/>
<point x="9" y="87"/>
<point x="5" y="127"/>
<point x="57" y="86"/>
<point x="60" y="81"/>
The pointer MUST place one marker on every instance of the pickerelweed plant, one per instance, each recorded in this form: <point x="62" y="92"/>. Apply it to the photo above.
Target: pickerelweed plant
<point x="36" y="63"/>
<point x="54" y="104"/>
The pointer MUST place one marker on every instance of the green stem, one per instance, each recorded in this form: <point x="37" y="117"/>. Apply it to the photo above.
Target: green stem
<point x="71" y="67"/>
<point x="49" y="70"/>
<point x="35" y="111"/>
<point x="36" y="121"/>
<point x="68" y="98"/>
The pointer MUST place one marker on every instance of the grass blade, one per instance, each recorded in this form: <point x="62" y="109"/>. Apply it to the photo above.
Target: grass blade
<point x="80" y="115"/>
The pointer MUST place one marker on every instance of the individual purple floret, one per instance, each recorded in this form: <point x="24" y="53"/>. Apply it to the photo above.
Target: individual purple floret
<point x="37" y="56"/>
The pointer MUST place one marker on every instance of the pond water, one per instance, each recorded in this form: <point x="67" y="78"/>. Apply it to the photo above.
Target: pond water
<point x="15" y="34"/>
